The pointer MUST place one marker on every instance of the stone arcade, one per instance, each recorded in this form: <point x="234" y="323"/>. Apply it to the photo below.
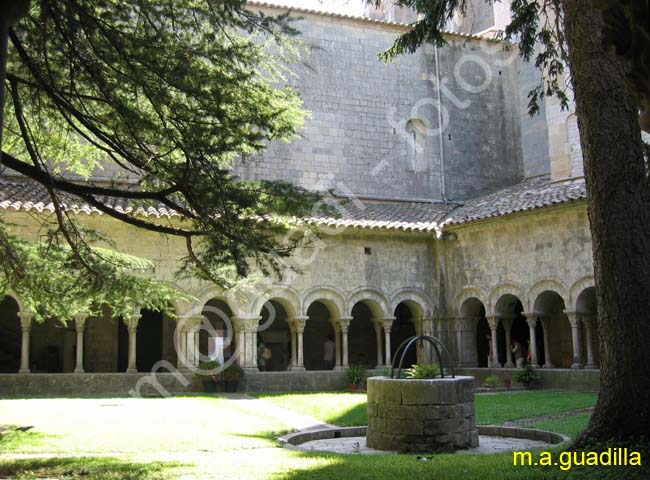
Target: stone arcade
<point x="468" y="220"/>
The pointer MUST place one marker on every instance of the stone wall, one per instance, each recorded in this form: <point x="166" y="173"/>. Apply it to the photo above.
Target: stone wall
<point x="36" y="384"/>
<point x="522" y="254"/>
<point x="552" y="379"/>
<point x="421" y="415"/>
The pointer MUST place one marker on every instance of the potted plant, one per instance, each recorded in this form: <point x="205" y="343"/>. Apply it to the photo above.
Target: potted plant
<point x="231" y="375"/>
<point x="356" y="376"/>
<point x="210" y="376"/>
<point x="423" y="370"/>
<point x="491" y="381"/>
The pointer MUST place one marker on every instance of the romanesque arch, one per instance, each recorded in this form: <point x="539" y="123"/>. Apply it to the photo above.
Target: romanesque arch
<point x="418" y="302"/>
<point x="578" y="287"/>
<point x="286" y="296"/>
<point x="512" y="331"/>
<point x="505" y="288"/>
<point x="473" y="333"/>
<point x="587" y="311"/>
<point x="323" y="306"/>
<point x="331" y="297"/>
<point x="374" y="299"/>
<point x="549" y="307"/>
<point x="468" y="293"/>
<point x="552" y="285"/>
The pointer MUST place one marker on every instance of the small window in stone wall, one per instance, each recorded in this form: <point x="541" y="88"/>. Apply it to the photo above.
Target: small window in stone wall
<point x="417" y="146"/>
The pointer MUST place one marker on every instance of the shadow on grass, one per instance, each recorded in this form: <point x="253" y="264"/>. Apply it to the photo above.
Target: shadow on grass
<point x="89" y="468"/>
<point x="353" y="417"/>
<point x="321" y="466"/>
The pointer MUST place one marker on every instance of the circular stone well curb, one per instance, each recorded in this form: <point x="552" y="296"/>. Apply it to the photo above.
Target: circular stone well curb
<point x="293" y="440"/>
<point x="421" y="415"/>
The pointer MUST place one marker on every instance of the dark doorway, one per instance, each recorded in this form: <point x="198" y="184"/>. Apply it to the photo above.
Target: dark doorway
<point x="149" y="340"/>
<point x="402" y="329"/>
<point x="10" y="336"/>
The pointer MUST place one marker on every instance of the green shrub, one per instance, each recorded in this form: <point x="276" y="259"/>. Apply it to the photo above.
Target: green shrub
<point x="207" y="371"/>
<point x="423" y="370"/>
<point x="356" y="374"/>
<point x="232" y="372"/>
<point x="492" y="381"/>
<point x="528" y="376"/>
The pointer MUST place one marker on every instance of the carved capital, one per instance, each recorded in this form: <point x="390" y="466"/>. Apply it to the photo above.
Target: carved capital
<point x="80" y="321"/>
<point x="248" y="324"/>
<point x="344" y="323"/>
<point x="387" y="323"/>
<point x="493" y="321"/>
<point x="26" y="320"/>
<point x="131" y="322"/>
<point x="299" y="323"/>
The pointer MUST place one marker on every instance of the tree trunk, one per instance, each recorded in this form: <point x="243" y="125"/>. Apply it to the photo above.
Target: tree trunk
<point x="619" y="212"/>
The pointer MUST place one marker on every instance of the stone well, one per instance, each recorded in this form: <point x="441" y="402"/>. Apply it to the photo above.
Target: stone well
<point x="429" y="415"/>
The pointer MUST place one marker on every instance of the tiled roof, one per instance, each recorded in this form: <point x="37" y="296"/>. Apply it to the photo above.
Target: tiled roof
<point x="18" y="193"/>
<point x="391" y="215"/>
<point x="530" y="194"/>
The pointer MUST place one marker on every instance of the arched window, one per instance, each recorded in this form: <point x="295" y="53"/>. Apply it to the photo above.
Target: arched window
<point x="418" y="154"/>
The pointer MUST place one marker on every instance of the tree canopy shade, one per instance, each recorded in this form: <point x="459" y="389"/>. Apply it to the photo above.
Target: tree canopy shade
<point x="608" y="91"/>
<point x="171" y="93"/>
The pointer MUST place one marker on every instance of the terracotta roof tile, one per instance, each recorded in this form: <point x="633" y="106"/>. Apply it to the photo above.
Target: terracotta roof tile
<point x="18" y="193"/>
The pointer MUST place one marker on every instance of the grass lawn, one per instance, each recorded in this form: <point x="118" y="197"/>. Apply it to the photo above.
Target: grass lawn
<point x="571" y="426"/>
<point x="349" y="409"/>
<point x="217" y="438"/>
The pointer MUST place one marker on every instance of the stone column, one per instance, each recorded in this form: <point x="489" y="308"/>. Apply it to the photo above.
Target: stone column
<point x="337" y="345"/>
<point x="344" y="323"/>
<point x="531" y="320"/>
<point x="547" y="349"/>
<point x="294" y="350"/>
<point x="376" y="322"/>
<point x="80" y="323"/>
<point x="238" y="326"/>
<point x="507" y="325"/>
<point x="493" y="321"/>
<point x="387" y="323"/>
<point x="132" y="326"/>
<point x="249" y="325"/>
<point x="26" y="327"/>
<point x="300" y="323"/>
<point x="466" y="341"/>
<point x="588" y="322"/>
<point x="575" y="338"/>
<point x="192" y="328"/>
<point x="181" y="343"/>
<point x="427" y="329"/>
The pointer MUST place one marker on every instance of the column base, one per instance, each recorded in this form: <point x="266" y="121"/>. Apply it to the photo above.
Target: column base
<point x="298" y="369"/>
<point x="251" y="369"/>
<point x="577" y="365"/>
<point x="131" y="370"/>
<point x="24" y="370"/>
<point x="548" y="365"/>
<point x="338" y="368"/>
<point x="79" y="370"/>
<point x="509" y="365"/>
<point x="591" y="366"/>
